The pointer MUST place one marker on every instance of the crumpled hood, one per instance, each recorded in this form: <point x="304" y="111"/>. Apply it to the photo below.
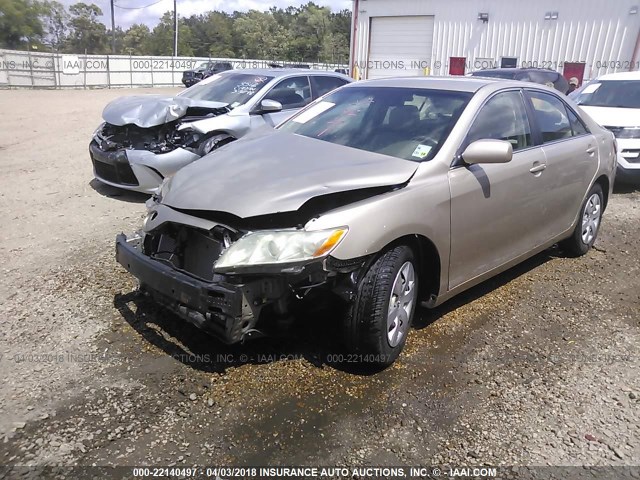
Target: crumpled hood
<point x="151" y="110"/>
<point x="614" y="117"/>
<point x="278" y="172"/>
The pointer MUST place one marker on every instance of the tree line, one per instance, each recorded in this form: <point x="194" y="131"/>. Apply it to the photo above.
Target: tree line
<point x="305" y="33"/>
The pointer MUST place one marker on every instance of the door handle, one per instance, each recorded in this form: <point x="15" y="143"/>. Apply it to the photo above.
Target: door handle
<point x="591" y="150"/>
<point x="538" y="168"/>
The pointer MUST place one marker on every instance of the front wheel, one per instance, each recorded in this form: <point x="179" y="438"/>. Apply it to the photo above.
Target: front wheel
<point x="214" y="142"/>
<point x="379" y="319"/>
<point x="586" y="231"/>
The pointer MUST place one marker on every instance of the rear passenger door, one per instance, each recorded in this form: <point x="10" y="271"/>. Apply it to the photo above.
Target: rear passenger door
<point x="571" y="157"/>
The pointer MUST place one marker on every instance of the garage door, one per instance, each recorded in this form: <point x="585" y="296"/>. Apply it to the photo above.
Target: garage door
<point x="400" y="46"/>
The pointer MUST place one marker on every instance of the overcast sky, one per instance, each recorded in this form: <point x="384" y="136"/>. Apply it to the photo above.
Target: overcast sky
<point x="186" y="8"/>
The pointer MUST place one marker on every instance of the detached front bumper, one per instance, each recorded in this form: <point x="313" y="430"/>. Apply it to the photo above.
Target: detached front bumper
<point x="226" y="309"/>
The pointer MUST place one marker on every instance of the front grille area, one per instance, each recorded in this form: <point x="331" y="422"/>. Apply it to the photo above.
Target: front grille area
<point x="121" y="174"/>
<point x="188" y="249"/>
<point x="631" y="155"/>
<point x="615" y="130"/>
<point x="112" y="166"/>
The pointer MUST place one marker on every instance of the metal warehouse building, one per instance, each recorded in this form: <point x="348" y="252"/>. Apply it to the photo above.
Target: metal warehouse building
<point x="581" y="38"/>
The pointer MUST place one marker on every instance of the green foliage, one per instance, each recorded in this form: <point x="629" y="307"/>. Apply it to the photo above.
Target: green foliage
<point x="161" y="39"/>
<point x="263" y="37"/>
<point x="20" y="24"/>
<point x="137" y="40"/>
<point x="211" y="34"/>
<point x="87" y="32"/>
<point x="55" y="21"/>
<point x="306" y="33"/>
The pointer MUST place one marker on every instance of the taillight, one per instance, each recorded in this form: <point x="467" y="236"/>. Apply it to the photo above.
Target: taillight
<point x="615" y="146"/>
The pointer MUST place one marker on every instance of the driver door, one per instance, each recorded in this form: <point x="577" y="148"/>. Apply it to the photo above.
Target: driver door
<point x="497" y="208"/>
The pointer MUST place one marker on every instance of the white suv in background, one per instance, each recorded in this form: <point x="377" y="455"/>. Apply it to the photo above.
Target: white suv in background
<point x="613" y="101"/>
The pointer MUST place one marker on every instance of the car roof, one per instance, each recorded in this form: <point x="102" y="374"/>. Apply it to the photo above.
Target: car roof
<point x="281" y="72"/>
<point x="462" y="84"/>
<point x="512" y="70"/>
<point x="621" y="76"/>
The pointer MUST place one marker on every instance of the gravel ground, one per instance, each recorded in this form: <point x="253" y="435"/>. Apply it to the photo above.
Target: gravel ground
<point x="538" y="366"/>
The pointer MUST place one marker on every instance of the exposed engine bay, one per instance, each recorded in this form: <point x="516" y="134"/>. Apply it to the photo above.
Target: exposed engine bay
<point x="157" y="139"/>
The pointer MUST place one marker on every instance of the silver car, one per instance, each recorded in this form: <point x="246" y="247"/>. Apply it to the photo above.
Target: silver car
<point x="383" y="195"/>
<point x="147" y="138"/>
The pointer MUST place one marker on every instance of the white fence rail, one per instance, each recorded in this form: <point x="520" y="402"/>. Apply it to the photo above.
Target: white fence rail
<point x="19" y="69"/>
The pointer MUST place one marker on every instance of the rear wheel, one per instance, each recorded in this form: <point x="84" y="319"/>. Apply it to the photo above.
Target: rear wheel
<point x="379" y="319"/>
<point x="586" y="231"/>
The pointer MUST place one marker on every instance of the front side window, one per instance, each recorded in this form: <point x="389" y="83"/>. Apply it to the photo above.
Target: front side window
<point x="292" y="92"/>
<point x="407" y="123"/>
<point x="551" y="115"/>
<point x="503" y="117"/>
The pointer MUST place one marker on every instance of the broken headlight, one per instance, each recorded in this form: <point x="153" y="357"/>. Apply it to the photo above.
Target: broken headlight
<point x="98" y="130"/>
<point x="283" y="246"/>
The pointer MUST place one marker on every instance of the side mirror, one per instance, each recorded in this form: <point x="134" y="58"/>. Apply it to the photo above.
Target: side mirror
<point x="270" y="106"/>
<point x="488" y="151"/>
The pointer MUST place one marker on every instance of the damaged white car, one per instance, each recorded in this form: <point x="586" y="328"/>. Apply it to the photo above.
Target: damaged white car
<point x="147" y="138"/>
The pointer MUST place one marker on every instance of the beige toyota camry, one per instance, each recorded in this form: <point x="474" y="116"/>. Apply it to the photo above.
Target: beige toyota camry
<point x="383" y="195"/>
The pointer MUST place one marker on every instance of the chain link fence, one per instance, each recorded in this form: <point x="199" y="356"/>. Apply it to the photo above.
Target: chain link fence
<point x="20" y="69"/>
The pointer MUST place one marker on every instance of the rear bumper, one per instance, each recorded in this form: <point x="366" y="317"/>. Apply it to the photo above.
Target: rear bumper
<point x="226" y="309"/>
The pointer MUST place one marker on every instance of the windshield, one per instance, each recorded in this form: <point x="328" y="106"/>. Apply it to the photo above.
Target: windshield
<point x="233" y="89"/>
<point x="408" y="123"/>
<point x="611" y="93"/>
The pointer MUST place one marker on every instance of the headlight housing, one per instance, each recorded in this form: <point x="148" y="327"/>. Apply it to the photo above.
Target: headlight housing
<point x="280" y="247"/>
<point x="159" y="194"/>
<point x="98" y="130"/>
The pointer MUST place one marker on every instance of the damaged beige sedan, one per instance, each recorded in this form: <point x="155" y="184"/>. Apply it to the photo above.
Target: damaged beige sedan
<point x="383" y="195"/>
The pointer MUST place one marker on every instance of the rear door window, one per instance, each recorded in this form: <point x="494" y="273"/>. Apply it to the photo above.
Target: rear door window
<point x="551" y="116"/>
<point x="322" y="84"/>
<point x="576" y="124"/>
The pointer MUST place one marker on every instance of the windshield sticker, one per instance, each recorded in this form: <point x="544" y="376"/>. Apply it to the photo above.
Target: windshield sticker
<point x="421" y="151"/>
<point x="591" y="88"/>
<point x="245" y="87"/>
<point x="313" y="112"/>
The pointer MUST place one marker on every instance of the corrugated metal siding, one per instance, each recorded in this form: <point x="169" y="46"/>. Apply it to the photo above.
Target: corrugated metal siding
<point x="600" y="33"/>
<point x="411" y="35"/>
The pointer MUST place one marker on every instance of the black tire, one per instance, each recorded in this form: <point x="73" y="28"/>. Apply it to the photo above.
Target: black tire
<point x="576" y="245"/>
<point x="214" y="142"/>
<point x="365" y="328"/>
